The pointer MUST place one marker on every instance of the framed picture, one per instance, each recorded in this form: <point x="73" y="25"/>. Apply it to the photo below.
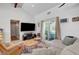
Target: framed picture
<point x="75" y="19"/>
<point x="64" y="20"/>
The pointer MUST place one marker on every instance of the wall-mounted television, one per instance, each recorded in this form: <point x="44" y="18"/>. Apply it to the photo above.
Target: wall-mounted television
<point x="27" y="27"/>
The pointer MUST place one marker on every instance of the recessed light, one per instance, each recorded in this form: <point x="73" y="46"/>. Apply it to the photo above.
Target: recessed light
<point x="33" y="5"/>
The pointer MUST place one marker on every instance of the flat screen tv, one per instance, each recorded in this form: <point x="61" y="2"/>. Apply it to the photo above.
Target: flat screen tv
<point x="27" y="27"/>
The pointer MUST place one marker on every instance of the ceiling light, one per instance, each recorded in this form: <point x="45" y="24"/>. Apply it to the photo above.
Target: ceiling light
<point x="33" y="5"/>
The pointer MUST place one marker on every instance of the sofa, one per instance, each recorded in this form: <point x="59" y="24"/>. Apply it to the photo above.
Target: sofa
<point x="53" y="49"/>
<point x="59" y="48"/>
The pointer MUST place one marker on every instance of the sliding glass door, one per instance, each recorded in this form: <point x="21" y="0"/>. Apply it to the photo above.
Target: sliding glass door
<point x="48" y="30"/>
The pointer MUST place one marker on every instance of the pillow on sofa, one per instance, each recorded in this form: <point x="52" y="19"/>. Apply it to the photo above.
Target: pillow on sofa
<point x="68" y="40"/>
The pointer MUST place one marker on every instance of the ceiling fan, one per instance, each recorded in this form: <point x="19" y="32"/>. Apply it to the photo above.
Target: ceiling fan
<point x="62" y="5"/>
<point x="18" y="5"/>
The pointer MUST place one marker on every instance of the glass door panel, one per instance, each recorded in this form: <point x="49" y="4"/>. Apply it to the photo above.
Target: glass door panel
<point x="52" y="30"/>
<point x="48" y="30"/>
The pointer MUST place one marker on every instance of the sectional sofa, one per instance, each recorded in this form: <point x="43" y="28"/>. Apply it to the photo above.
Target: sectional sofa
<point x="59" y="48"/>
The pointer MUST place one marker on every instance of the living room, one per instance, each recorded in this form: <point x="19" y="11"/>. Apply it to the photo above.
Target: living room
<point x="38" y="27"/>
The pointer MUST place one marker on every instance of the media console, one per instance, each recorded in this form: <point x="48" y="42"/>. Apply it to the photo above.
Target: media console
<point x="28" y="36"/>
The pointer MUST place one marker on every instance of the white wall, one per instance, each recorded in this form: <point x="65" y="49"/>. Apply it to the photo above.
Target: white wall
<point x="69" y="28"/>
<point x="6" y="14"/>
<point x="68" y="11"/>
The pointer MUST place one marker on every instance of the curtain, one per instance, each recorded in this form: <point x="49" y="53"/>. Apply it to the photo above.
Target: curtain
<point x="58" y="32"/>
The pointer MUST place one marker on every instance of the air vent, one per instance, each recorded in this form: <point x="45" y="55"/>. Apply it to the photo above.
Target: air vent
<point x="48" y="12"/>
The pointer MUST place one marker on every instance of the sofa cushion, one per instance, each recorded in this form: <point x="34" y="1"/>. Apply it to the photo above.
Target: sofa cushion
<point x="72" y="49"/>
<point x="58" y="44"/>
<point x="43" y="51"/>
<point x="77" y="41"/>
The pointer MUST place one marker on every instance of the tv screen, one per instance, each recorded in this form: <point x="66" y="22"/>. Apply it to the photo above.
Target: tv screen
<point x="27" y="26"/>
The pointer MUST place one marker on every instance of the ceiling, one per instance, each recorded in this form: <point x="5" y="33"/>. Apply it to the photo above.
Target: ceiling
<point x="36" y="8"/>
<point x="32" y="9"/>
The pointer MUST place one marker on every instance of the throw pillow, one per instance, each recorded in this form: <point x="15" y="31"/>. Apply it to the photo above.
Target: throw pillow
<point x="68" y="40"/>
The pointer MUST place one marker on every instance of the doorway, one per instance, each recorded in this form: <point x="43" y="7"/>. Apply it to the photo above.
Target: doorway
<point x="48" y="29"/>
<point x="14" y="25"/>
